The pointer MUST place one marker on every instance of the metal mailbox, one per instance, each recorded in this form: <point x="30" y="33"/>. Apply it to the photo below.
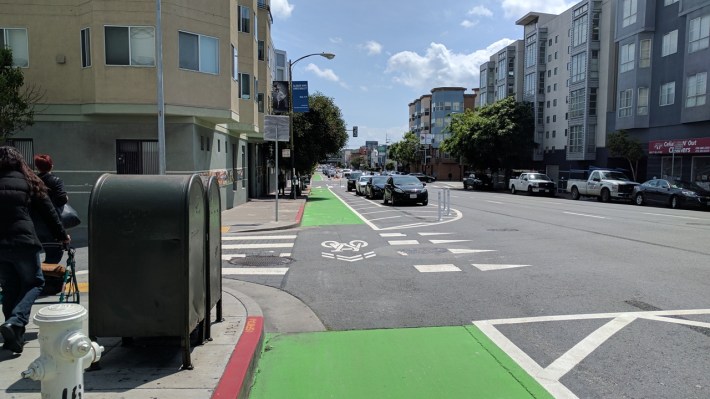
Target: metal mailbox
<point x="147" y="257"/>
<point x="213" y="254"/>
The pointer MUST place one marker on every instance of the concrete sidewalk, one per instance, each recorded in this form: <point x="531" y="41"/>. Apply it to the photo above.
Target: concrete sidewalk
<point x="151" y="367"/>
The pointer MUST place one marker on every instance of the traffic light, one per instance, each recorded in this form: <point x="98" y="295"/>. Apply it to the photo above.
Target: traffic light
<point x="354" y="131"/>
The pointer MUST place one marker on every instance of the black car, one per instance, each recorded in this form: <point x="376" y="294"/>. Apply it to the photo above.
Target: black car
<point x="352" y="180"/>
<point x="478" y="181"/>
<point x="376" y="187"/>
<point x="424" y="178"/>
<point x="675" y="194"/>
<point x="405" y="188"/>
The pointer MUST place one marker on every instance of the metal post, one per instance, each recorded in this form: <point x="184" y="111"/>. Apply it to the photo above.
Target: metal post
<point x="278" y="174"/>
<point x="448" y="202"/>
<point x="438" y="205"/>
<point x="290" y="129"/>
<point x="161" y="95"/>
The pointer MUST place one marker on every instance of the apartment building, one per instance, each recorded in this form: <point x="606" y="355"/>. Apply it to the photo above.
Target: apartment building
<point x="96" y="64"/>
<point x="499" y="76"/>
<point x="661" y="84"/>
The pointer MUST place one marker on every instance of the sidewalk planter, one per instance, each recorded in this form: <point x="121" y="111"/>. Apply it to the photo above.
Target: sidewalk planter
<point x="147" y="257"/>
<point x="213" y="253"/>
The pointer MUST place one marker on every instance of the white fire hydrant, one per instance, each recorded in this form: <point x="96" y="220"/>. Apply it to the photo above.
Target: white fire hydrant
<point x="65" y="351"/>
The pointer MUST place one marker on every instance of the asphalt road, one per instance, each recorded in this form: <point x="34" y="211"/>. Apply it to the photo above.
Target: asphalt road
<point x="597" y="299"/>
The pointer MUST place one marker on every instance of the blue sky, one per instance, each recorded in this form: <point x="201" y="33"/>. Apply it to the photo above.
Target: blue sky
<point x="389" y="53"/>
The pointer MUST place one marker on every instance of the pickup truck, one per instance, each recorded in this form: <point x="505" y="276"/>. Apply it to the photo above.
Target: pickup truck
<point x="603" y="184"/>
<point x="532" y="183"/>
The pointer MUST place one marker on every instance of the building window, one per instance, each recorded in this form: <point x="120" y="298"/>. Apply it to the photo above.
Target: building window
<point x="576" y="138"/>
<point x="645" y="53"/>
<point x="642" y="101"/>
<point x="260" y="101"/>
<point x="244" y="86"/>
<point x="669" y="2"/>
<point x="667" y="94"/>
<point x="592" y="101"/>
<point x="554" y="102"/>
<point x="555" y="71"/>
<point x="244" y="166"/>
<point x="235" y="64"/>
<point x="576" y="105"/>
<point x="580" y="28"/>
<point x="625" y="100"/>
<point x="198" y="53"/>
<point x="670" y="43"/>
<point x="530" y="51"/>
<point x="501" y="69"/>
<point x="16" y="40"/>
<point x="85" y="48"/>
<point x="130" y="45"/>
<point x="697" y="89"/>
<point x="554" y="133"/>
<point x="627" y="57"/>
<point x="699" y="33"/>
<point x="261" y="50"/>
<point x="628" y="12"/>
<point x="244" y="19"/>
<point x="579" y="67"/>
<point x="554" y="118"/>
<point x="529" y="83"/>
<point x="554" y="87"/>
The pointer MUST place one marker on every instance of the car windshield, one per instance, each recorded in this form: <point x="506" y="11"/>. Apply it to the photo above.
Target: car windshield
<point x="355" y="175"/>
<point x="403" y="180"/>
<point x="685" y="185"/>
<point x="364" y="178"/>
<point x="614" y="176"/>
<point x="379" y="180"/>
<point x="538" y="176"/>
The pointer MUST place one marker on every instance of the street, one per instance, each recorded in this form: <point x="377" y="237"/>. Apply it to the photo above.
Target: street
<point x="593" y="300"/>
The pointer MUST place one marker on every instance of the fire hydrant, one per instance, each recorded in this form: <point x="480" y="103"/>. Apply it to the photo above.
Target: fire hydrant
<point x="65" y="351"/>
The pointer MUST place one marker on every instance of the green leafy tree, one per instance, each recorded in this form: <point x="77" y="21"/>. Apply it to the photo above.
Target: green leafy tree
<point x="356" y="161"/>
<point x="498" y="136"/>
<point x="319" y="132"/>
<point x="16" y="99"/>
<point x="405" y="151"/>
<point x="389" y="165"/>
<point x="620" y="144"/>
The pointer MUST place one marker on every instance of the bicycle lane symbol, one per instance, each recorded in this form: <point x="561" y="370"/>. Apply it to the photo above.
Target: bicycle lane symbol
<point x="338" y="248"/>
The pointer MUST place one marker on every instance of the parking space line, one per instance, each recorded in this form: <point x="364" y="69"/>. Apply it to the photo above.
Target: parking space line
<point x="387" y="217"/>
<point x="386" y="210"/>
<point x="585" y="215"/>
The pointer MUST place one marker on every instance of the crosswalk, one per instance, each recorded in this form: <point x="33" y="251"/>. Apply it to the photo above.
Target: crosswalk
<point x="257" y="254"/>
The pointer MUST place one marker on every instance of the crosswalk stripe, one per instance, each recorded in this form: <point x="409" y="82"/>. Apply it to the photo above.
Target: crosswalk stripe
<point x="489" y="267"/>
<point x="403" y="242"/>
<point x="469" y="251"/>
<point x="258" y="246"/>
<point x="434" y="234"/>
<point x="239" y="238"/>
<point x="446" y="241"/>
<point x="392" y="235"/>
<point x="245" y="271"/>
<point x="437" y="268"/>
<point x="230" y="256"/>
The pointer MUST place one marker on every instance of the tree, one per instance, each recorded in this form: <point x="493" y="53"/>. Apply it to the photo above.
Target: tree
<point x="405" y="151"/>
<point x="621" y="145"/>
<point x="318" y="132"/>
<point x="16" y="100"/>
<point x="389" y="165"/>
<point x="498" y="136"/>
<point x="356" y="161"/>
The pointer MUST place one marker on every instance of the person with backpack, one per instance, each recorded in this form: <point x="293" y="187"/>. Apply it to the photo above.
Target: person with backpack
<point x="59" y="198"/>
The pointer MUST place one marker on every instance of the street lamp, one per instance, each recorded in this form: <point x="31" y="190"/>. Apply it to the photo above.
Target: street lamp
<point x="329" y="56"/>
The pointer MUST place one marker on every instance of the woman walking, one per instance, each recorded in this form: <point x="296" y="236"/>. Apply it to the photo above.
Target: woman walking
<point x="59" y="198"/>
<point x="21" y="194"/>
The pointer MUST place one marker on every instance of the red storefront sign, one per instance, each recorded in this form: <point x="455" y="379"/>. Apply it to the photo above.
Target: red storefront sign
<point x="680" y="146"/>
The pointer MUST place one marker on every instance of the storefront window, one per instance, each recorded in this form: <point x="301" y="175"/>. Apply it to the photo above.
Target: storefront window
<point x="700" y="172"/>
<point x="671" y="168"/>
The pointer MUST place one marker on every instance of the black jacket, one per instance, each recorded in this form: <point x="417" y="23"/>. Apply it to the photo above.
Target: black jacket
<point x="16" y="208"/>
<point x="55" y="187"/>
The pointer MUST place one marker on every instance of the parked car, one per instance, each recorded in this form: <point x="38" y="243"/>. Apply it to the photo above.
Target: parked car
<point x="376" y="187"/>
<point x="424" y="178"/>
<point x="352" y="180"/>
<point x="361" y="184"/>
<point x="602" y="184"/>
<point x="675" y="194"/>
<point x="477" y="181"/>
<point x="405" y="188"/>
<point x="533" y="183"/>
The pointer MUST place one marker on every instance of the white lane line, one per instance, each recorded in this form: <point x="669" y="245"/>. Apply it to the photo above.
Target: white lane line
<point x="434" y="234"/>
<point x="677" y="321"/>
<point x="402" y="253"/>
<point x="446" y="241"/>
<point x="672" y="216"/>
<point x="388" y="217"/>
<point x="364" y="219"/>
<point x="583" y="214"/>
<point x="592" y="316"/>
<point x="565" y="363"/>
<point x="403" y="242"/>
<point x="285" y="254"/>
<point x="252" y="271"/>
<point x="494" y="202"/>
<point x="469" y="251"/>
<point x="437" y="268"/>
<point x="392" y="235"/>
<point x="386" y="210"/>
<point x="488" y="267"/>
<point x="259" y="246"/>
<point x="236" y="238"/>
<point x="230" y="256"/>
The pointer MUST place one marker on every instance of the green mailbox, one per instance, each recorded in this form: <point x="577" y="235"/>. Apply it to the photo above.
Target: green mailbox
<point x="213" y="254"/>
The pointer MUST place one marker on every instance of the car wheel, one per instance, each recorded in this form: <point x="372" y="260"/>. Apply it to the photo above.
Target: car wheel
<point x="639" y="199"/>
<point x="465" y="187"/>
<point x="605" y="196"/>
<point x="674" y="202"/>
<point x="529" y="191"/>
<point x="384" y="199"/>
<point x="512" y="190"/>
<point x="350" y="189"/>
<point x="392" y="200"/>
<point x="425" y="202"/>
<point x="575" y="193"/>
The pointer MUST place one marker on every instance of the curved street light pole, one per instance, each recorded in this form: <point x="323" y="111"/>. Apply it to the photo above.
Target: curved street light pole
<point x="294" y="180"/>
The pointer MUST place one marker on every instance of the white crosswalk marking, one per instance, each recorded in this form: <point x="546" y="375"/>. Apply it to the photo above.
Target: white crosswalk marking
<point x="446" y="241"/>
<point x="489" y="267"/>
<point x="244" y="246"/>
<point x="403" y="242"/>
<point x="392" y="235"/>
<point x="437" y="268"/>
<point x="468" y="251"/>
<point x="258" y="246"/>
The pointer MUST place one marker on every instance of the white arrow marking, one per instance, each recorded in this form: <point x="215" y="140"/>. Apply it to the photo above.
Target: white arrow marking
<point x="446" y="241"/>
<point x="469" y="251"/>
<point x="488" y="267"/>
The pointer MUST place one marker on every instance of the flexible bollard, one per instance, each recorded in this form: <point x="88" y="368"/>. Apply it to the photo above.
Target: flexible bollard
<point x="65" y="351"/>
<point x="438" y="205"/>
<point x="448" y="202"/>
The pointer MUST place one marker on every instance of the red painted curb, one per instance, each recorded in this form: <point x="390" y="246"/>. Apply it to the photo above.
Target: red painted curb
<point x="299" y="215"/>
<point x="232" y="381"/>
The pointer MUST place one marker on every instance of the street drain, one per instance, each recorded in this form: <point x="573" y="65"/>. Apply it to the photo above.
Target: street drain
<point x="502" y="230"/>
<point x="261" y="261"/>
<point x="423" y="251"/>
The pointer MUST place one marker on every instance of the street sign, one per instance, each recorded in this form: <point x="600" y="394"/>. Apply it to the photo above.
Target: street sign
<point x="286" y="153"/>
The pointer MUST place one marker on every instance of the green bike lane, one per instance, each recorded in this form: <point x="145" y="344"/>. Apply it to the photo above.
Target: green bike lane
<point x="426" y="362"/>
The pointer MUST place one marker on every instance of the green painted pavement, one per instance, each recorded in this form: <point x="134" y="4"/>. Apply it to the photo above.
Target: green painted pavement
<point x="324" y="208"/>
<point x="433" y="362"/>
<point x="317" y="177"/>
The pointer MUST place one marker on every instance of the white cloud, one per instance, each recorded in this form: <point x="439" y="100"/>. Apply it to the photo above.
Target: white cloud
<point x="281" y="9"/>
<point x="439" y="66"/>
<point x="518" y="8"/>
<point x="326" y="74"/>
<point x="372" y="47"/>
<point x="336" y="40"/>
<point x="468" y="24"/>
<point x="480" y="11"/>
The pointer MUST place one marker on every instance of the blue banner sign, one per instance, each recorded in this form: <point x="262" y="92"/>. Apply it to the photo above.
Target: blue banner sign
<point x="300" y="96"/>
